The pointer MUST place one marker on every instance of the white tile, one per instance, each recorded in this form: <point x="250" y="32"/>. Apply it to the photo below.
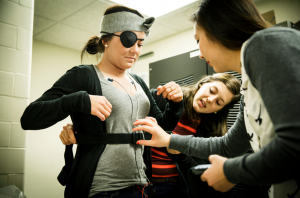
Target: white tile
<point x="88" y="22"/>
<point x="5" y="129"/>
<point x="17" y="180"/>
<point x="28" y="3"/>
<point x="16" y="14"/>
<point x="15" y="1"/>
<point x="11" y="109"/>
<point x="24" y="41"/>
<point x="6" y="83"/>
<point x="179" y="19"/>
<point x="12" y="160"/>
<point x="3" y="181"/>
<point x="15" y="61"/>
<point x="41" y="24"/>
<point x="18" y="136"/>
<point x="8" y="35"/>
<point x="21" y="86"/>
<point x="57" y="9"/>
<point x="65" y="36"/>
<point x="159" y="31"/>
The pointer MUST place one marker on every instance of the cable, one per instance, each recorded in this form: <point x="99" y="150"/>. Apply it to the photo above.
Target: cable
<point x="132" y="82"/>
<point x="138" y="106"/>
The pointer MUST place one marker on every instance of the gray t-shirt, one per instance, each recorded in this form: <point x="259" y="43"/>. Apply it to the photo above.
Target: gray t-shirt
<point x="272" y="62"/>
<point x="117" y="166"/>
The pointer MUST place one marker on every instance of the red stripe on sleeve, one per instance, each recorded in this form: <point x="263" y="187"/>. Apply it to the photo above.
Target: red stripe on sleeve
<point x="161" y="158"/>
<point x="187" y="127"/>
<point x="158" y="152"/>
<point x="172" y="175"/>
<point x="163" y="166"/>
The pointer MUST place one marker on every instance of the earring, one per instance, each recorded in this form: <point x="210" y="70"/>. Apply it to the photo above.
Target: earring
<point x="106" y="45"/>
<point x="215" y="112"/>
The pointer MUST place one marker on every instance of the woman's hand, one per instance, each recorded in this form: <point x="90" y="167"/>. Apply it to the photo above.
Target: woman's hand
<point x="67" y="135"/>
<point x="159" y="137"/>
<point x="172" y="151"/>
<point x="171" y="91"/>
<point x="100" y="107"/>
<point x="215" y="176"/>
<point x="152" y="119"/>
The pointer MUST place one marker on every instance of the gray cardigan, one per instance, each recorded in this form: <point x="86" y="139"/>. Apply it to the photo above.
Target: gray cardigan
<point x="272" y="62"/>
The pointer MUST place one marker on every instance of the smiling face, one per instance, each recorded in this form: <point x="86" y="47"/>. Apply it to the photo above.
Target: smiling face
<point x="216" y="55"/>
<point x="121" y="57"/>
<point x="211" y="97"/>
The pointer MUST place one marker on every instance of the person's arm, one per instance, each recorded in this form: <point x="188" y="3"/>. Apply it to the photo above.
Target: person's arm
<point x="167" y="119"/>
<point x="185" y="162"/>
<point x="272" y="62"/>
<point x="160" y="101"/>
<point x="234" y="143"/>
<point x="57" y="103"/>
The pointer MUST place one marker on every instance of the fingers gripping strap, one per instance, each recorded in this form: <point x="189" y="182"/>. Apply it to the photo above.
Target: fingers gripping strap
<point x="108" y="138"/>
<point x="125" y="21"/>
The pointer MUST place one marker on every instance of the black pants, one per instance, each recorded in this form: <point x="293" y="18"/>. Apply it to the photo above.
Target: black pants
<point x="166" y="190"/>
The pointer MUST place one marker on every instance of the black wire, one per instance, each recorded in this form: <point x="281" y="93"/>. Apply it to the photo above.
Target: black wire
<point x="133" y="136"/>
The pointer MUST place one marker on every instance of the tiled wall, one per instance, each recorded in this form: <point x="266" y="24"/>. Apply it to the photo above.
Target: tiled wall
<point x="16" y="26"/>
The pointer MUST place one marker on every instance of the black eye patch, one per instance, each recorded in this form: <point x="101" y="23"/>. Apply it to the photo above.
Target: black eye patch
<point x="128" y="39"/>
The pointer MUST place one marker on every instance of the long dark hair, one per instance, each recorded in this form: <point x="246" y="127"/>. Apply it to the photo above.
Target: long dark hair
<point x="214" y="124"/>
<point x="94" y="44"/>
<point x="229" y="22"/>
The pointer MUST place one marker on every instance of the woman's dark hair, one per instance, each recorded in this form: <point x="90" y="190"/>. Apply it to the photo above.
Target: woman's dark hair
<point x="95" y="45"/>
<point x="214" y="124"/>
<point x="229" y="22"/>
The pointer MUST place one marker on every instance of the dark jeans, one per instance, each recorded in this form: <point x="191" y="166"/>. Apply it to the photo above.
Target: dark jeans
<point x="129" y="192"/>
<point x="165" y="190"/>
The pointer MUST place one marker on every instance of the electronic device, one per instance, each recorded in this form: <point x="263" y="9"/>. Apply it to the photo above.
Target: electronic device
<point x="109" y="79"/>
<point x="198" y="170"/>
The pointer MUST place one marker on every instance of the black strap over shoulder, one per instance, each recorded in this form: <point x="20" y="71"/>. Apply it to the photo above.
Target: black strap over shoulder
<point x="109" y="138"/>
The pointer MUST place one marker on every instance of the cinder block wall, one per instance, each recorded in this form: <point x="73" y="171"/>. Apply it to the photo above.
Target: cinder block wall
<point x="16" y="26"/>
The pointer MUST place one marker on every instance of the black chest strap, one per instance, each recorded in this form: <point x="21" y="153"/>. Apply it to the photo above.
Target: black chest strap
<point x="97" y="138"/>
<point x="111" y="138"/>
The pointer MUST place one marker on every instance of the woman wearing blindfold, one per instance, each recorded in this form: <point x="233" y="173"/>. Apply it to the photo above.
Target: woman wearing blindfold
<point x="103" y="101"/>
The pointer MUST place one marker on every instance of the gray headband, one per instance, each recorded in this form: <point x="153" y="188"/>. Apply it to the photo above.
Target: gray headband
<point x="125" y="21"/>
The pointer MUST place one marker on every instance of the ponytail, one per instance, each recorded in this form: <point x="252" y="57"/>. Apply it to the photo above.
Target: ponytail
<point x="94" y="45"/>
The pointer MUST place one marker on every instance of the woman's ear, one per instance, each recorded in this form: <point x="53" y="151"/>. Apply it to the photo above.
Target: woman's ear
<point x="104" y="42"/>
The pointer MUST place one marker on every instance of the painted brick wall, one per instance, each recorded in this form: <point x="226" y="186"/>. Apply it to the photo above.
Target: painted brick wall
<point x="16" y="26"/>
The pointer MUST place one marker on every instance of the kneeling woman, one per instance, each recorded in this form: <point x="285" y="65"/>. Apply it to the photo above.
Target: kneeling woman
<point x="206" y="107"/>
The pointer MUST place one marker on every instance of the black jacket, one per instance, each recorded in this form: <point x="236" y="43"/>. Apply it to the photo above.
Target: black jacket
<point x="183" y="162"/>
<point x="70" y="96"/>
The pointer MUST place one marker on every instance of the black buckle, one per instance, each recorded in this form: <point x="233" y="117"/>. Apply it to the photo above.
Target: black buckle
<point x="137" y="135"/>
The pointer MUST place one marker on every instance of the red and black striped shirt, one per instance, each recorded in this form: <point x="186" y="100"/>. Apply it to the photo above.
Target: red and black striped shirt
<point x="162" y="165"/>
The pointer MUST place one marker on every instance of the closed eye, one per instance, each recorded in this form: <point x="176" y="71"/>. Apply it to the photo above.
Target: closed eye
<point x="212" y="92"/>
